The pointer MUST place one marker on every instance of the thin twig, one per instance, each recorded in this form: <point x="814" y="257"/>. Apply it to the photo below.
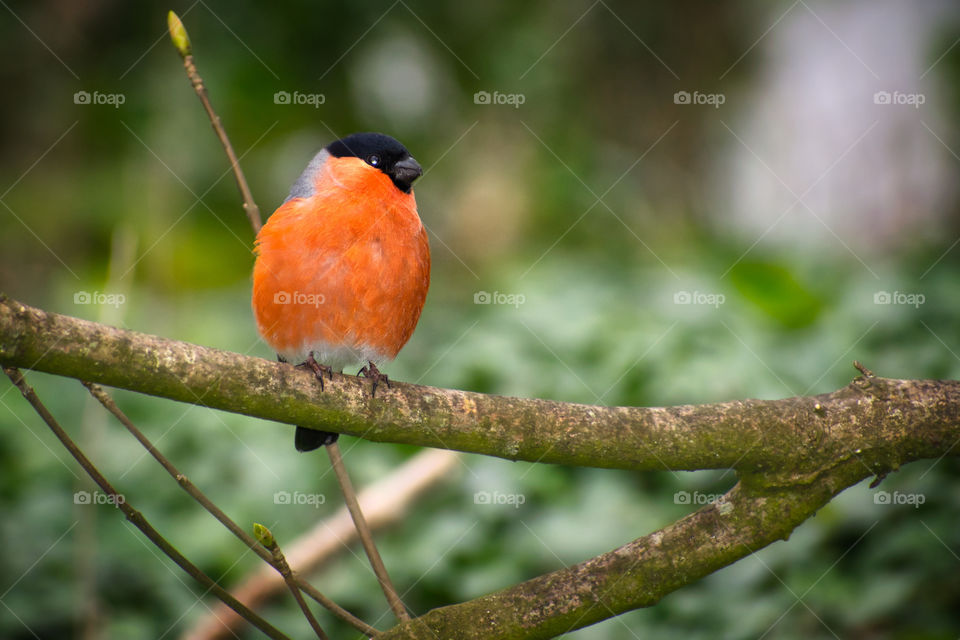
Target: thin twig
<point x="182" y="43"/>
<point x="363" y="530"/>
<point x="104" y="398"/>
<point x="265" y="536"/>
<point x="134" y="516"/>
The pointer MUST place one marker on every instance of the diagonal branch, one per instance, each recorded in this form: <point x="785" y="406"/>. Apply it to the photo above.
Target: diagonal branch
<point x="187" y="485"/>
<point x="747" y="518"/>
<point x="134" y="516"/>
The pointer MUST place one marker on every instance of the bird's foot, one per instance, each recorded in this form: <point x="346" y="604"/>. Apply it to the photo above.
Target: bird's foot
<point x="317" y="368"/>
<point x="370" y="371"/>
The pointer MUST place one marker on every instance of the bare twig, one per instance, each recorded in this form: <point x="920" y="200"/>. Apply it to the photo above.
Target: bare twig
<point x="178" y="34"/>
<point x="366" y="538"/>
<point x="104" y="398"/>
<point x="265" y="536"/>
<point x="134" y="516"/>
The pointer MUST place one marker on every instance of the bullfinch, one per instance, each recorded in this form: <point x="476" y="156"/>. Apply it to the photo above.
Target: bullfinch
<point x="343" y="265"/>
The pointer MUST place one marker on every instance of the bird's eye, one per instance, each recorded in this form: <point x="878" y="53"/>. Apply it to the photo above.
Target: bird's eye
<point x="373" y="160"/>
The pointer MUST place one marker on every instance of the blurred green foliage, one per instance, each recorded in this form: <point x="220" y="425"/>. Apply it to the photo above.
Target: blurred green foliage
<point x="138" y="199"/>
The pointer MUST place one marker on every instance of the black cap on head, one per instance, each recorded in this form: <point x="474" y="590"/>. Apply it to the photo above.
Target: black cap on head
<point x="381" y="152"/>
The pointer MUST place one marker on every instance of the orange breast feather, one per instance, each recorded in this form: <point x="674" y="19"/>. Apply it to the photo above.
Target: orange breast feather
<point x="343" y="273"/>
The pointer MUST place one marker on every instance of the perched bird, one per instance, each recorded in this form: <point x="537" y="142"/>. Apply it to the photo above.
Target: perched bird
<point x="343" y="265"/>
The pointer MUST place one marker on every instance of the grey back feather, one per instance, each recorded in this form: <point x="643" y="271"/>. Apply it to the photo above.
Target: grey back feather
<point x="304" y="186"/>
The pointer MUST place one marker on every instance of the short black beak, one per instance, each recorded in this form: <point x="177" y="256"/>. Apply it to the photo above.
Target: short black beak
<point x="405" y="172"/>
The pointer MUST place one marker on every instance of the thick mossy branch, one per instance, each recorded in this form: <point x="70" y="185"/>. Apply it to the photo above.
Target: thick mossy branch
<point x="637" y="574"/>
<point x="879" y="422"/>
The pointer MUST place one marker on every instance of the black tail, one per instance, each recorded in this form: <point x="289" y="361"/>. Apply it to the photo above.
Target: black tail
<point x="310" y="439"/>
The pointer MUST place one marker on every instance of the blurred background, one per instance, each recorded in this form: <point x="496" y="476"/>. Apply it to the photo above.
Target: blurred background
<point x="628" y="204"/>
